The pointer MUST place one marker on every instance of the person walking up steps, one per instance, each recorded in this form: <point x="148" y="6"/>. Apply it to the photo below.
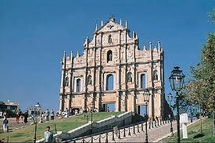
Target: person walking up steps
<point x="48" y="136"/>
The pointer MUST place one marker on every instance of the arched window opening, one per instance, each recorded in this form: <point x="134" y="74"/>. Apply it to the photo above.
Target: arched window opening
<point x="109" y="56"/>
<point x="129" y="77"/>
<point x="109" y="39"/>
<point x="155" y="75"/>
<point x="89" y="80"/>
<point x="143" y="81"/>
<point x="67" y="81"/>
<point x="78" y="85"/>
<point x="109" y="82"/>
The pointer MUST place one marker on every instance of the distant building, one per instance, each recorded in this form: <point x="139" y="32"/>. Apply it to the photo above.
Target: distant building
<point x="8" y="105"/>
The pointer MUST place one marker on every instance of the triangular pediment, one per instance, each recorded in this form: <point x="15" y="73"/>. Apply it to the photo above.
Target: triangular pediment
<point x="111" y="25"/>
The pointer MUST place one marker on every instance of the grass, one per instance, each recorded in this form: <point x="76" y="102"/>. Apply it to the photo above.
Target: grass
<point x="194" y="133"/>
<point x="26" y="134"/>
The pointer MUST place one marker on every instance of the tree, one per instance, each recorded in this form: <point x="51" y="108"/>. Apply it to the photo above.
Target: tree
<point x="201" y="89"/>
<point x="212" y="16"/>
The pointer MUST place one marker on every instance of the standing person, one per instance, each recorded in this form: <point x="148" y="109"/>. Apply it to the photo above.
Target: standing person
<point x="26" y="117"/>
<point x="17" y="117"/>
<point x="47" y="115"/>
<point x="41" y="117"/>
<point x="52" y="114"/>
<point x="5" y="124"/>
<point x="67" y="113"/>
<point x="48" y="136"/>
<point x="21" y="116"/>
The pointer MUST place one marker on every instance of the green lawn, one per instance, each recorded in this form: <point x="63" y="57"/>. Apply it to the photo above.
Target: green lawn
<point x="27" y="134"/>
<point x="194" y="132"/>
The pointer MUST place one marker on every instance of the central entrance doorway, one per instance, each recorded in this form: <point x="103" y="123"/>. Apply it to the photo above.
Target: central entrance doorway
<point x="109" y="107"/>
<point x="141" y="110"/>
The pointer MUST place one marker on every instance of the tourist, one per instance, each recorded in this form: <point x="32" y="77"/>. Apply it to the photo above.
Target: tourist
<point x="52" y="114"/>
<point x="21" y="116"/>
<point x="26" y="117"/>
<point x="67" y="113"/>
<point x="48" y="136"/>
<point x="47" y="115"/>
<point x="42" y="117"/>
<point x="5" y="124"/>
<point x="17" y="117"/>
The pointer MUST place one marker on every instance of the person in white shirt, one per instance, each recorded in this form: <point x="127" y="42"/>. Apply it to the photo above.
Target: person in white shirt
<point x="48" y="136"/>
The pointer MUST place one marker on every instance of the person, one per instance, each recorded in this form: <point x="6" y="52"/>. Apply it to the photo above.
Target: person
<point x="52" y="114"/>
<point x="21" y="116"/>
<point x="48" y="136"/>
<point x="47" y="115"/>
<point x="67" y="113"/>
<point x="17" y="117"/>
<point x="42" y="116"/>
<point x="26" y="117"/>
<point x="5" y="124"/>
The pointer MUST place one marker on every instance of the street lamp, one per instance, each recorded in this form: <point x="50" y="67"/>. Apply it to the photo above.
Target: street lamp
<point x="146" y="100"/>
<point x="170" y="98"/>
<point x="36" y="109"/>
<point x="91" y="117"/>
<point x="176" y="80"/>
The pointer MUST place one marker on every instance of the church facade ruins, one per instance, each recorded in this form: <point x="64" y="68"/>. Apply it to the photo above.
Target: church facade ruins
<point x="113" y="70"/>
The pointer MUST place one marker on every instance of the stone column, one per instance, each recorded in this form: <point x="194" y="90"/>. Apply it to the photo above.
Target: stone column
<point x="118" y="101"/>
<point x="61" y="103"/>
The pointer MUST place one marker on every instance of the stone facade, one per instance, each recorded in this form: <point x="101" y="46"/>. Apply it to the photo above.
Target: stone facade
<point x="113" y="69"/>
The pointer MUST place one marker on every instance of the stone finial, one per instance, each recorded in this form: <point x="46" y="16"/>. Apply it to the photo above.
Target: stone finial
<point x="71" y="55"/>
<point x="126" y="24"/>
<point x="102" y="23"/>
<point x="77" y="54"/>
<point x="96" y="27"/>
<point x="150" y="45"/>
<point x="144" y="48"/>
<point x="64" y="58"/>
<point x="159" y="45"/>
<point x="64" y="55"/>
<point x="120" y="22"/>
<point x="86" y="42"/>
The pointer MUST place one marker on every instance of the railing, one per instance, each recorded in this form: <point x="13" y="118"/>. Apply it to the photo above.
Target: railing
<point x="122" y="132"/>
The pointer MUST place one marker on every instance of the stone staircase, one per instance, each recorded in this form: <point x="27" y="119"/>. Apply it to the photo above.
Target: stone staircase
<point x="130" y="133"/>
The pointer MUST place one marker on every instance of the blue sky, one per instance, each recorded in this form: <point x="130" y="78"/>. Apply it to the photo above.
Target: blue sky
<point x="34" y="34"/>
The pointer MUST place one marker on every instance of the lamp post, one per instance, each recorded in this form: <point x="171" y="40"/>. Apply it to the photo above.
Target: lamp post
<point x="36" y="109"/>
<point x="170" y="98"/>
<point x="91" y="116"/>
<point x="146" y="100"/>
<point x="176" y="80"/>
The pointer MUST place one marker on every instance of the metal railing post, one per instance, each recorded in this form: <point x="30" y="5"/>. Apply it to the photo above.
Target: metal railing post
<point x="113" y="135"/>
<point x="142" y="127"/>
<point x="134" y="129"/>
<point x="106" y="138"/>
<point x="129" y="131"/>
<point x="100" y="138"/>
